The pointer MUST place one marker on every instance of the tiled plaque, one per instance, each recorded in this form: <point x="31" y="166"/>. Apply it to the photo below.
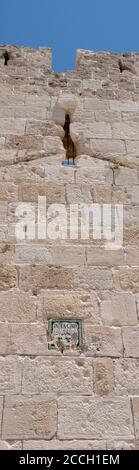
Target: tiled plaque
<point x="64" y="334"/>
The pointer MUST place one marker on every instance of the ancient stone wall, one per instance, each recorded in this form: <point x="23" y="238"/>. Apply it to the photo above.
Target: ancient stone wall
<point x="85" y="397"/>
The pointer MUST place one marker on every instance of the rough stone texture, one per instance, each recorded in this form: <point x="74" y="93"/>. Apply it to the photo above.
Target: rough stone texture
<point x="34" y="417"/>
<point x="62" y="445"/>
<point x="103" y="376"/>
<point x="89" y="418"/>
<point x="53" y="375"/>
<point x="135" y="403"/>
<point x="87" y="397"/>
<point x="10" y="375"/>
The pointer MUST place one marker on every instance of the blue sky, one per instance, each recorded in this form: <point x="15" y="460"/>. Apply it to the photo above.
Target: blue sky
<point x="66" y="25"/>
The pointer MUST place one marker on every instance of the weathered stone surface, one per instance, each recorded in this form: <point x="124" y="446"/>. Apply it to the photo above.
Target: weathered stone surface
<point x="1" y="408"/>
<point x="69" y="304"/>
<point x="124" y="130"/>
<point x="119" y="309"/>
<point x="51" y="255"/>
<point x="8" y="277"/>
<point x="90" y="418"/>
<point x="93" y="278"/>
<point x="8" y="192"/>
<point x="44" y="375"/>
<point x="16" y="445"/>
<point x="16" y="306"/>
<point x="55" y="194"/>
<point x="40" y="277"/>
<point x="98" y="130"/>
<point x="108" y="147"/>
<point x="4" y="338"/>
<point x="131" y="341"/>
<point x="103" y="376"/>
<point x="126" y="373"/>
<point x="26" y="142"/>
<point x="62" y="445"/>
<point x="103" y="341"/>
<point x="132" y="256"/>
<point x="10" y="375"/>
<point x="121" y="445"/>
<point x="125" y="177"/>
<point x="135" y="404"/>
<point x="99" y="256"/>
<point x="29" y="418"/>
<point x="28" y="339"/>
<point x="12" y="126"/>
<point x="127" y="279"/>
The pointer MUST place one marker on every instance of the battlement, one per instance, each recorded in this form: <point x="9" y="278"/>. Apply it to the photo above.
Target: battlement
<point x="100" y="62"/>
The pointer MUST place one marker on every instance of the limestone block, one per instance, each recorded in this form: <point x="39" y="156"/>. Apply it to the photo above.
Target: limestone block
<point x="96" y="418"/>
<point x="125" y="177"/>
<point x="131" y="341"/>
<point x="8" y="277"/>
<point x="10" y="375"/>
<point x="62" y="304"/>
<point x="124" y="130"/>
<point x="53" y="145"/>
<point x="4" y="338"/>
<point x="133" y="194"/>
<point x="121" y="445"/>
<point x="13" y="99"/>
<point x="78" y="194"/>
<point x="92" y="170"/>
<point x="54" y="193"/>
<point x="29" y="418"/>
<point x="12" y="126"/>
<point x="99" y="256"/>
<point x="6" y="253"/>
<point x="93" y="278"/>
<point x="44" y="277"/>
<point x="101" y="193"/>
<point x="100" y="130"/>
<point x="10" y="445"/>
<point x="108" y="147"/>
<point x="1" y="408"/>
<point x="108" y="116"/>
<point x="127" y="279"/>
<point x="17" y="306"/>
<point x="32" y="111"/>
<point x="103" y="341"/>
<point x="8" y="192"/>
<point x="58" y="115"/>
<point x="68" y="102"/>
<point x="64" y="376"/>
<point x="93" y="103"/>
<point x="118" y="309"/>
<point x="91" y="84"/>
<point x="43" y="127"/>
<point x="62" y="445"/>
<point x="132" y="147"/>
<point x="29" y="339"/>
<point x="135" y="402"/>
<point x="58" y="255"/>
<point x="126" y="373"/>
<point x="27" y="142"/>
<point x="132" y="255"/>
<point x="103" y="376"/>
<point x="127" y="106"/>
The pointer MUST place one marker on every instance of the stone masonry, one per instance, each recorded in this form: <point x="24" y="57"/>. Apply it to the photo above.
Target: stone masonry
<point x="86" y="398"/>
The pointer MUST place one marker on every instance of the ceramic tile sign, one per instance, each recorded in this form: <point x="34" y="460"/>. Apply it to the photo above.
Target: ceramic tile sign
<point x="64" y="334"/>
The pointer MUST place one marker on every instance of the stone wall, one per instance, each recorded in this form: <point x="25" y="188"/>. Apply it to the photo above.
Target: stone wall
<point x="87" y="398"/>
